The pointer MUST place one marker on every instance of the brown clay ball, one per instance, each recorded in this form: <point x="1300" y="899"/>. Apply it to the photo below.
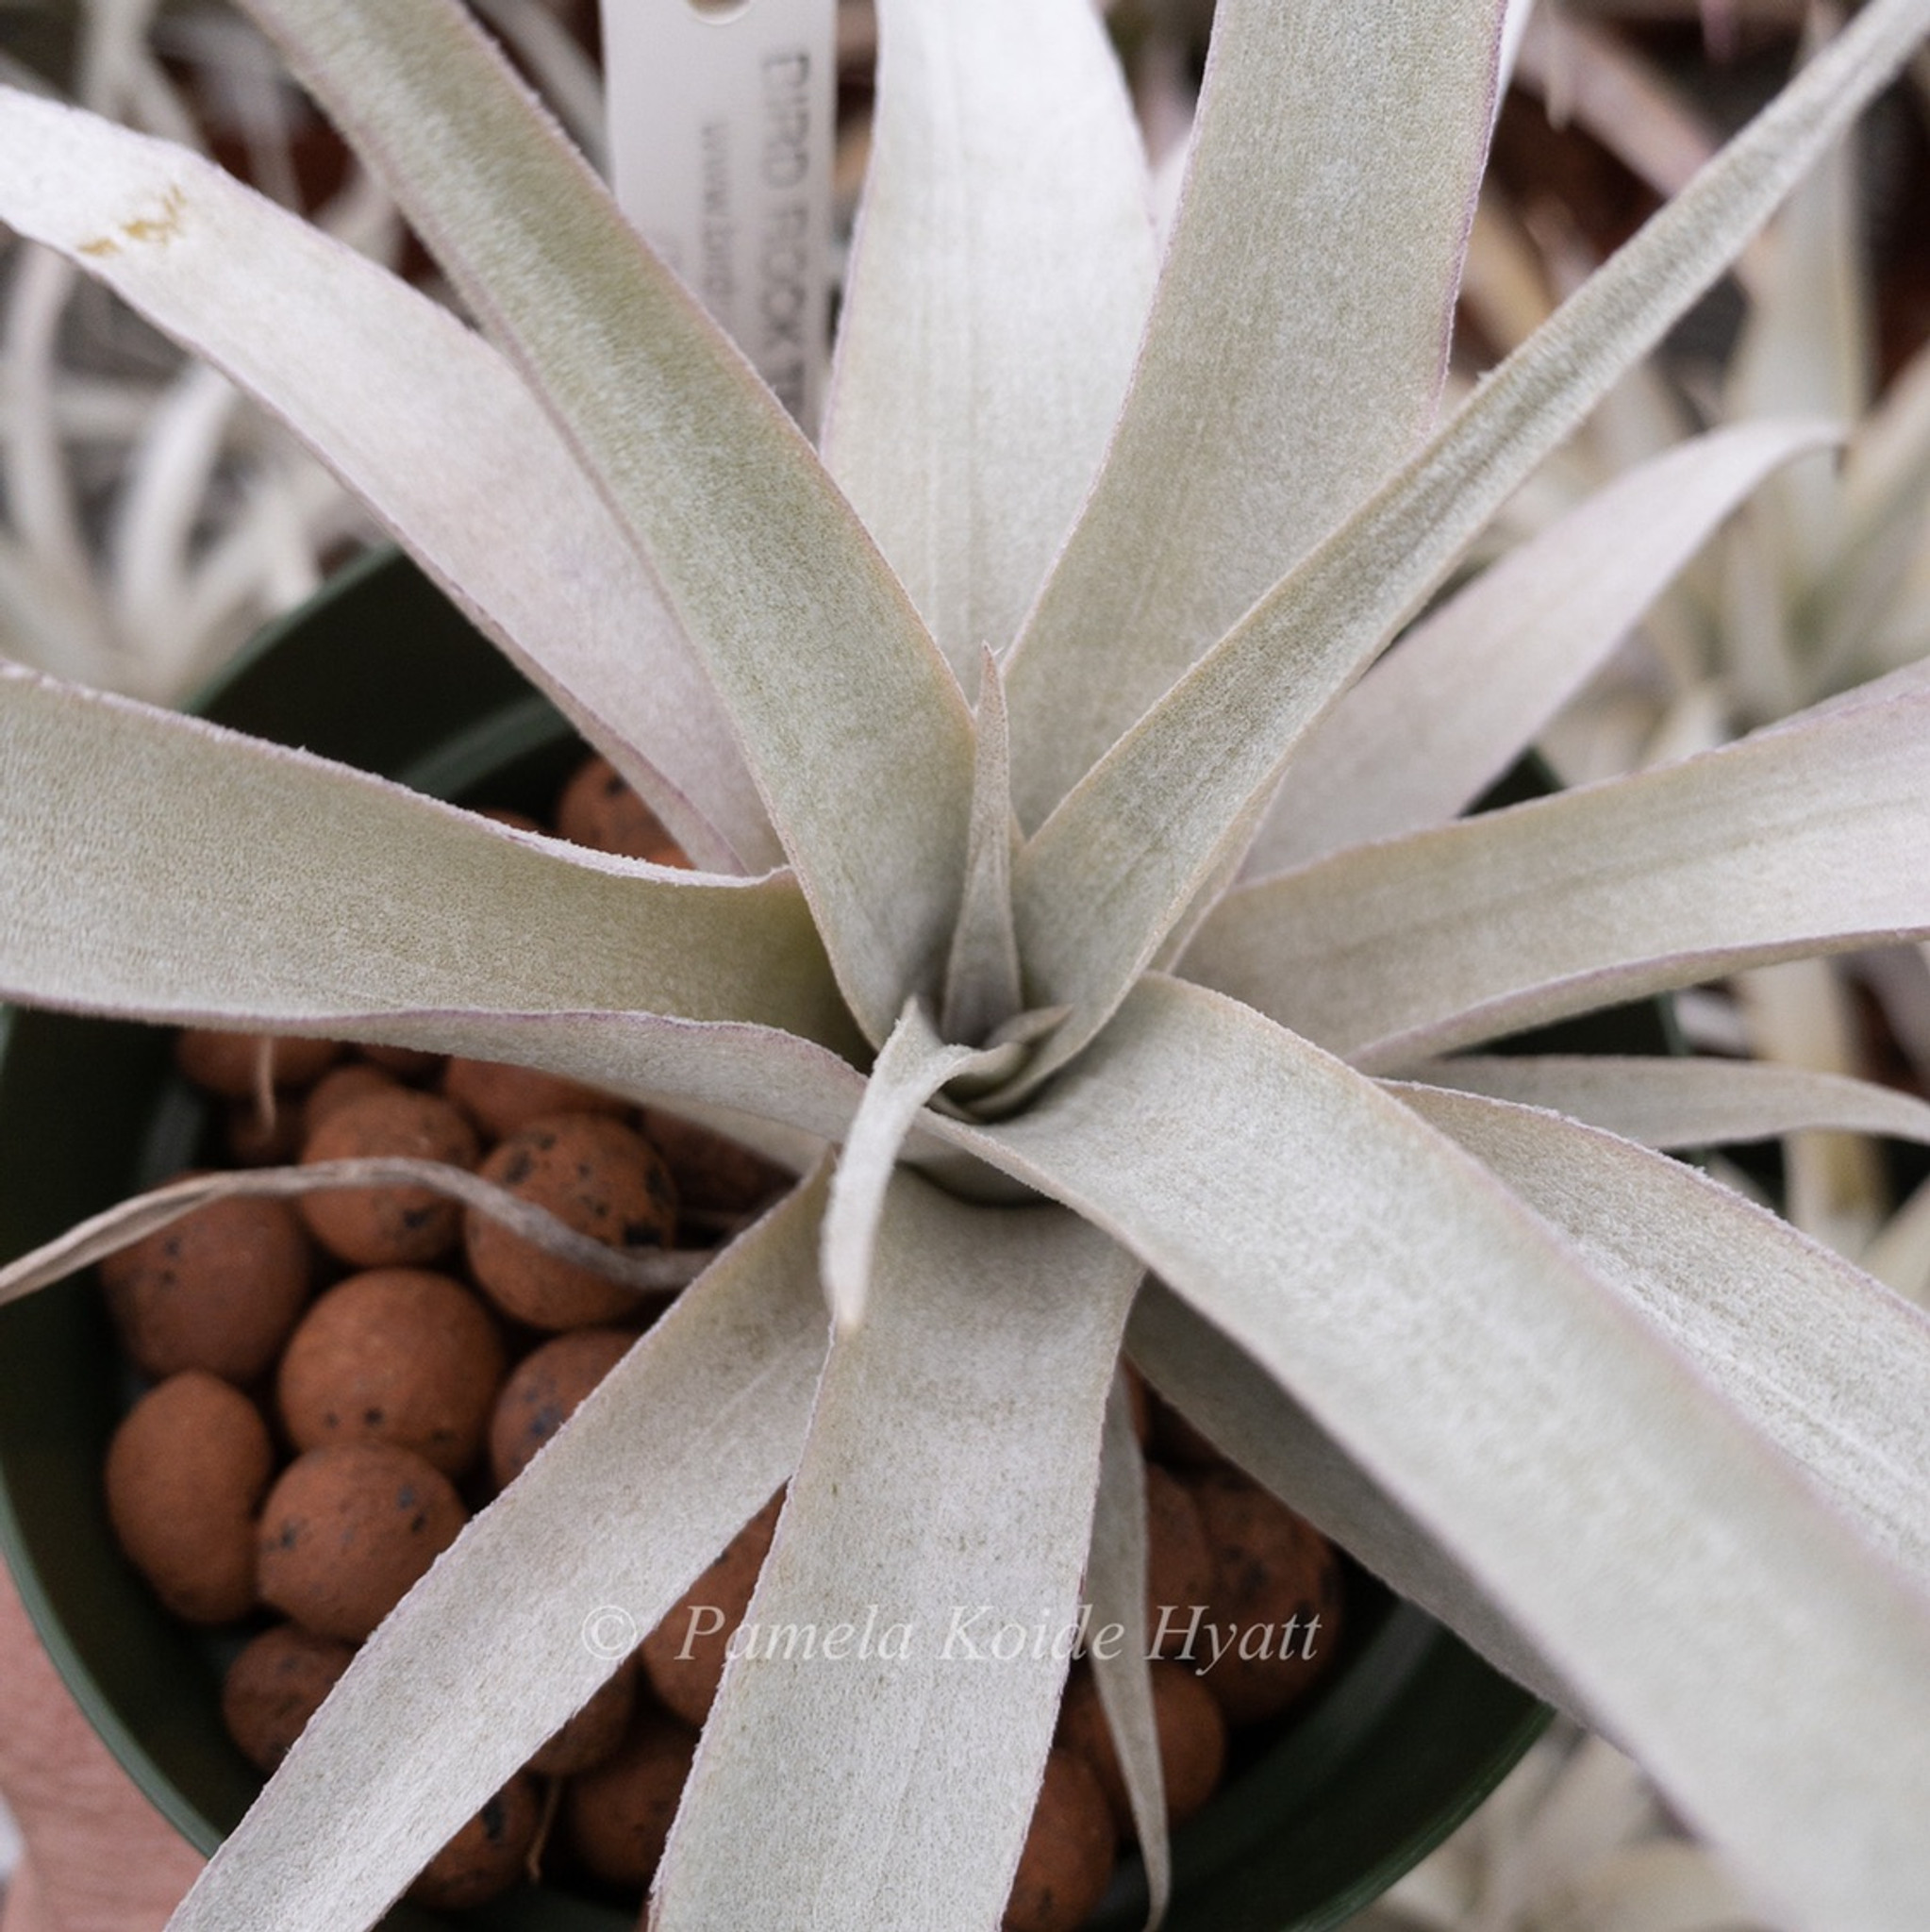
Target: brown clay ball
<point x="1193" y="1740"/>
<point x="602" y="1179"/>
<point x="501" y="1098"/>
<point x="1179" y="1566"/>
<point x="276" y="1685"/>
<point x="185" y="1472"/>
<point x="596" y="1730"/>
<point x="488" y="1855"/>
<point x="1066" y="1863"/>
<point x="220" y="1290"/>
<point x="714" y="1175"/>
<point x="684" y="1657"/>
<point x="619" y="1814"/>
<point x="389" y="1227"/>
<point x="397" y="1355"/>
<point x="599" y="809"/>
<point x="228" y="1063"/>
<point x="337" y="1088"/>
<point x="543" y="1391"/>
<point x="347" y="1531"/>
<point x="1279" y="1585"/>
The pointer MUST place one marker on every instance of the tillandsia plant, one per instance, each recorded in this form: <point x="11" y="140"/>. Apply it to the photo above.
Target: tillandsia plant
<point x="970" y="723"/>
<point x="153" y="519"/>
<point x="1822" y="585"/>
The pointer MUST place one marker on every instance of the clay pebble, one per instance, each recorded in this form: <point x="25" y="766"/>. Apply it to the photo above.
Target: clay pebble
<point x="1191" y="1732"/>
<point x="394" y="1354"/>
<point x="602" y="1179"/>
<point x="599" y="809"/>
<point x="619" y="1814"/>
<point x="219" y="1290"/>
<point x="337" y="1088"/>
<point x="488" y="1855"/>
<point x="1276" y="1597"/>
<point x="1067" y="1862"/>
<point x="545" y="1391"/>
<point x="275" y="1686"/>
<point x="389" y="1227"/>
<point x="348" y="1530"/>
<point x="1179" y="1564"/>
<point x="501" y="1099"/>
<point x="684" y="1656"/>
<point x="229" y="1064"/>
<point x="596" y="1730"/>
<point x="185" y="1472"/>
<point x="714" y="1175"/>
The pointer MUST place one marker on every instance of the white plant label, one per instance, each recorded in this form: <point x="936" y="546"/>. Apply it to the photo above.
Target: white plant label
<point x="721" y="124"/>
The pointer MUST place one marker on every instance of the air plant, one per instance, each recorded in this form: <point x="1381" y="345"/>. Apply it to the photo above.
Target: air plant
<point x="970" y="724"/>
<point x="152" y="518"/>
<point x="1821" y="586"/>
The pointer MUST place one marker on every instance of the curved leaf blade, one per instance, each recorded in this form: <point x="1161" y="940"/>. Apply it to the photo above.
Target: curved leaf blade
<point x="1498" y="1392"/>
<point x="1687" y="1103"/>
<point x="840" y="700"/>
<point x="951" y="1463"/>
<point x="1245" y="1414"/>
<point x="1470" y="685"/>
<point x="159" y="865"/>
<point x="1827" y="1363"/>
<point x="514" y="1628"/>
<point x="1120" y="861"/>
<point x="655" y="1273"/>
<point x="911" y="1066"/>
<point x="1280" y="380"/>
<point x="1806" y="838"/>
<point x="1001" y="273"/>
<point x="422" y="420"/>
<point x="1116" y="1589"/>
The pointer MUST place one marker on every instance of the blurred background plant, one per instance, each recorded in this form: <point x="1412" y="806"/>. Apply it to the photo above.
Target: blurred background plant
<point x="151" y="520"/>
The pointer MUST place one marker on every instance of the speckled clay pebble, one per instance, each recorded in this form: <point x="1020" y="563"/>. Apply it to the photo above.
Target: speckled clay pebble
<point x="1066" y="1863"/>
<point x="595" y="1175"/>
<point x="224" y="1063"/>
<point x="1193" y="1740"/>
<point x="598" y="809"/>
<point x="398" y="1355"/>
<point x="220" y="1290"/>
<point x="389" y="1227"/>
<point x="712" y="1174"/>
<point x="1180" y="1562"/>
<point x="596" y="1730"/>
<point x="337" y="1088"/>
<point x="683" y="1657"/>
<point x="488" y="1855"/>
<point x="276" y="1685"/>
<point x="185" y="1470"/>
<point x="542" y="1393"/>
<point x="347" y="1532"/>
<point x="500" y="1099"/>
<point x="619" y="1814"/>
<point x="1279" y="1581"/>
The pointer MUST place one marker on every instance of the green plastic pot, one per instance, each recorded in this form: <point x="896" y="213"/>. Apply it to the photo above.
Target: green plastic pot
<point x="382" y="673"/>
